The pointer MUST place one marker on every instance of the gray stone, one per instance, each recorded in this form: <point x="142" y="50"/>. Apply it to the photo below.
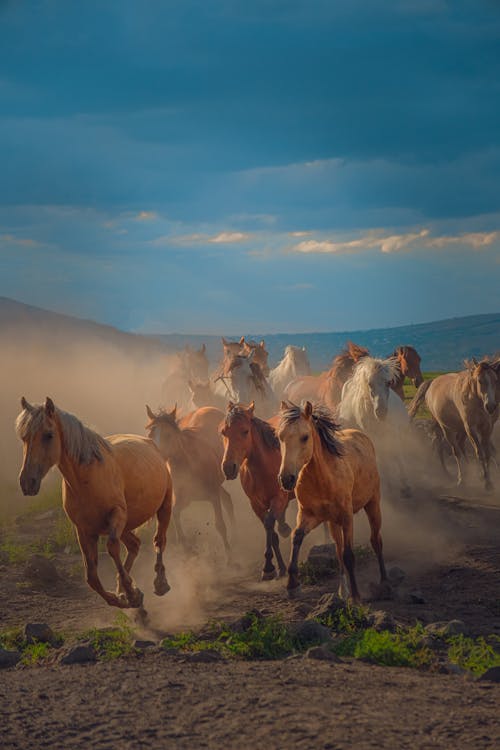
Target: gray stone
<point x="9" y="658"/>
<point x="79" y="654"/>
<point x="309" y="632"/>
<point x="491" y="675"/>
<point x="455" y="669"/>
<point x="38" y="632"/>
<point x="396" y="575"/>
<point x="322" y="653"/>
<point x="380" y="620"/>
<point x="204" y="657"/>
<point x="416" y="597"/>
<point x="41" y="571"/>
<point x="143" y="644"/>
<point x="329" y="604"/>
<point x="242" y="624"/>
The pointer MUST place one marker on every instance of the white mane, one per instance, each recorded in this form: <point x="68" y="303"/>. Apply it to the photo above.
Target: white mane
<point x="294" y="364"/>
<point x="80" y="442"/>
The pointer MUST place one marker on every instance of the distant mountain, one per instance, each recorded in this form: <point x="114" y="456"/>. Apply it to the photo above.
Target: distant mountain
<point x="443" y="345"/>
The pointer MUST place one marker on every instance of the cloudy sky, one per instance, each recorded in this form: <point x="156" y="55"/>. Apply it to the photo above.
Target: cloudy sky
<point x="274" y="165"/>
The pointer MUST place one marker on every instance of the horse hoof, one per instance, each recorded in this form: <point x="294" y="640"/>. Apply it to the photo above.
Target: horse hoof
<point x="161" y="587"/>
<point x="136" y="599"/>
<point x="268" y="575"/>
<point x="141" y="617"/>
<point x="295" y="592"/>
<point x="284" y="530"/>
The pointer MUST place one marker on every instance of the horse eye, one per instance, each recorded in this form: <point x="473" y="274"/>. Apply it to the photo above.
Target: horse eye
<point x="245" y="432"/>
<point x="304" y="438"/>
<point x="47" y="437"/>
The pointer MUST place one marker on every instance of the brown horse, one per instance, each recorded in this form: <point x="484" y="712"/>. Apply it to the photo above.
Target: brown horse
<point x="408" y="360"/>
<point x="334" y="473"/>
<point x="465" y="405"/>
<point x="110" y="487"/>
<point x="327" y="387"/>
<point x="192" y="448"/>
<point x="252" y="449"/>
<point x="260" y="354"/>
<point x="202" y="394"/>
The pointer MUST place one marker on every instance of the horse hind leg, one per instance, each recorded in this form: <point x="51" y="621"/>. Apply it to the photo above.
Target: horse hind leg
<point x="227" y="504"/>
<point x="117" y="521"/>
<point x="133" y="544"/>
<point x="338" y="537"/>
<point x="161" y="585"/>
<point x="372" y="510"/>
<point x="88" y="546"/>
<point x="220" y="524"/>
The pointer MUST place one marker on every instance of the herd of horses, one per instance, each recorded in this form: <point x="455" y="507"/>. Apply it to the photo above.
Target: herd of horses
<point x="321" y="439"/>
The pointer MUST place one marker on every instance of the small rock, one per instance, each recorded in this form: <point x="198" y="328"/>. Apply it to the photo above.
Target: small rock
<point x="416" y="597"/>
<point x="143" y="644"/>
<point x="204" y="657"/>
<point x="491" y="675"/>
<point x="242" y="624"/>
<point x="380" y="620"/>
<point x="329" y="604"/>
<point x="396" y="575"/>
<point x="38" y="632"/>
<point x="322" y="653"/>
<point x="8" y="658"/>
<point x="79" y="654"/>
<point x="308" y="631"/>
<point x="382" y="592"/>
<point x="455" y="669"/>
<point x="40" y="570"/>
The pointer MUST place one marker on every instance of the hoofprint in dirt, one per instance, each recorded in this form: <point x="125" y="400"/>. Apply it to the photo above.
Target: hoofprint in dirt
<point x="160" y="700"/>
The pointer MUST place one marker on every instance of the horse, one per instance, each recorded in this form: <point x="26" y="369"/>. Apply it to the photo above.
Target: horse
<point x="326" y="388"/>
<point x="465" y="405"/>
<point x="368" y="403"/>
<point x="193" y="450"/>
<point x="260" y="354"/>
<point x="408" y="360"/>
<point x="252" y="450"/>
<point x="334" y="475"/>
<point x="110" y="487"/>
<point x="203" y="394"/>
<point x="245" y="382"/>
<point x="294" y="364"/>
<point x="188" y="364"/>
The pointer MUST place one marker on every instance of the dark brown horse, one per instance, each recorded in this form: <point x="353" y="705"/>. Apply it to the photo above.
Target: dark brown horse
<point x="408" y="360"/>
<point x="252" y="449"/>
<point x="464" y="405"/>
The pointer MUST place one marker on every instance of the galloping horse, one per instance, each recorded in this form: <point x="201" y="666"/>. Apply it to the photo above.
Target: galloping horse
<point x="260" y="354"/>
<point x="408" y="360"/>
<point x="252" y="449"/>
<point x="110" y="487"/>
<point x="334" y="474"/>
<point x="193" y="450"/>
<point x="327" y="387"/>
<point x="294" y="364"/>
<point x="369" y="404"/>
<point x="245" y="382"/>
<point x="465" y="405"/>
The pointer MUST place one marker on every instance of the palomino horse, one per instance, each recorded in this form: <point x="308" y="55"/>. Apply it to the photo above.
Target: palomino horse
<point x="252" y="449"/>
<point x="192" y="448"/>
<point x="294" y="364"/>
<point x="408" y="360"/>
<point x="369" y="404"/>
<point x="245" y="382"/>
<point x="334" y="474"/>
<point x="327" y="387"/>
<point x="110" y="487"/>
<point x="465" y="405"/>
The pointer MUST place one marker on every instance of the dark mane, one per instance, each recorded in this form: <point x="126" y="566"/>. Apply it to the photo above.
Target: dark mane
<point x="264" y="429"/>
<point x="258" y="376"/>
<point x="324" y="423"/>
<point x="347" y="358"/>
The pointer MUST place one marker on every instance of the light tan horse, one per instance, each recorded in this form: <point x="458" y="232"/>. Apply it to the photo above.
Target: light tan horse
<point x="334" y="474"/>
<point x="465" y="405"/>
<point x="192" y="446"/>
<point x="110" y="487"/>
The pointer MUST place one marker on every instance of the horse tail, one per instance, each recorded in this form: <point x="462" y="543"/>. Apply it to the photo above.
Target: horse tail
<point x="418" y="398"/>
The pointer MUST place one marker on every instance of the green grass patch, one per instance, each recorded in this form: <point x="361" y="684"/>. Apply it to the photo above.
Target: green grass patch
<point x="34" y="653"/>
<point x="474" y="654"/>
<point x="400" y="649"/>
<point x="350" y="619"/>
<point x="111" y="643"/>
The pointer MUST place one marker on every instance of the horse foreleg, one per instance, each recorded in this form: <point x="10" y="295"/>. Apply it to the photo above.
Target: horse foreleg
<point x="338" y="537"/>
<point x="482" y="451"/>
<point x="161" y="585"/>
<point x="88" y="546"/>
<point x="220" y="524"/>
<point x="117" y="521"/>
<point x="227" y="504"/>
<point x="269" y="571"/>
<point x="305" y="524"/>
<point x="348" y="555"/>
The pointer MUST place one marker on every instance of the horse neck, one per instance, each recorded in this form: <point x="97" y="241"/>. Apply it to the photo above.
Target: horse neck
<point x="258" y="457"/>
<point x="315" y="468"/>
<point x="69" y="467"/>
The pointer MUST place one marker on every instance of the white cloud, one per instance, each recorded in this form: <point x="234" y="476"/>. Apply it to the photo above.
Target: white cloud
<point x="146" y="216"/>
<point x="229" y="237"/>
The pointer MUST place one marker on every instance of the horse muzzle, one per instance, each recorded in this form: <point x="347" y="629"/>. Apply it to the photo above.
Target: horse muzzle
<point x="287" y="481"/>
<point x="490" y="407"/>
<point x="230" y="469"/>
<point x="30" y="485"/>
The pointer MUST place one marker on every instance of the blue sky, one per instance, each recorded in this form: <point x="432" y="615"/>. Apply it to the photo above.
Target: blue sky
<point x="268" y="166"/>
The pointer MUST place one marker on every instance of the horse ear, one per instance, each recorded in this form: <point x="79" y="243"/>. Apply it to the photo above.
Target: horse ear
<point x="25" y="404"/>
<point x="251" y="408"/>
<point x="150" y="413"/>
<point x="283" y="406"/>
<point x="308" y="410"/>
<point x="50" y="409"/>
<point x="250" y="354"/>
<point x="242" y="341"/>
<point x="262" y="344"/>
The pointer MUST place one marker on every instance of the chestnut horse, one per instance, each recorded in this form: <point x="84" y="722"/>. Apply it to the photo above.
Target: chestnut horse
<point x="252" y="449"/>
<point x="465" y="405"/>
<point x="327" y="387"/>
<point x="334" y="474"/>
<point x="192" y="448"/>
<point x="110" y="487"/>
<point x="408" y="360"/>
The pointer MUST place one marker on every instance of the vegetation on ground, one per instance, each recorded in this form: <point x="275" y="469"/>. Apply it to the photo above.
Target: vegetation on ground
<point x="475" y="655"/>
<point x="113" y="642"/>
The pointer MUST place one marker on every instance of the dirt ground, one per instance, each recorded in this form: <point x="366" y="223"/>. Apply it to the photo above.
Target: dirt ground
<point x="448" y="549"/>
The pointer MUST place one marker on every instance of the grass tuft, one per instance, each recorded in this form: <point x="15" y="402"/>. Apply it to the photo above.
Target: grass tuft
<point x="474" y="654"/>
<point x="111" y="643"/>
